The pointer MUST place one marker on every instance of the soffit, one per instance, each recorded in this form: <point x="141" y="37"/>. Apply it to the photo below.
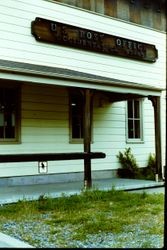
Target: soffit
<point x="70" y="78"/>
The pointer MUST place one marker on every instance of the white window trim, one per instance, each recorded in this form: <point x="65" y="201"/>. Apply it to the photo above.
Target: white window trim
<point x="135" y="140"/>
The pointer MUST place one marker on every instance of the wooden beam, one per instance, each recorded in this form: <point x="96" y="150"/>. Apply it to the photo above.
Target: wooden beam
<point x="157" y="121"/>
<point x="135" y="11"/>
<point x="110" y="8"/>
<point x="117" y="97"/>
<point x="87" y="137"/>
<point x="50" y="156"/>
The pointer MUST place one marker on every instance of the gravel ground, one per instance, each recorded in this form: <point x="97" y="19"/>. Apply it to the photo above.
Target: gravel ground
<point x="40" y="234"/>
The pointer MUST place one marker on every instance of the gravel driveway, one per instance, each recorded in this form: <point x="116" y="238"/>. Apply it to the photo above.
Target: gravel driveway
<point x="40" y="235"/>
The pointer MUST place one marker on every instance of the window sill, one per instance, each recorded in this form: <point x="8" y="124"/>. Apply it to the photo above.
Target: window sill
<point x="134" y="141"/>
<point x="9" y="142"/>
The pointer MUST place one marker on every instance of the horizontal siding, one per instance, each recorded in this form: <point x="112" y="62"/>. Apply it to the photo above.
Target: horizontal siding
<point x="49" y="123"/>
<point x="31" y="168"/>
<point x="110" y="135"/>
<point x="109" y="131"/>
<point x="112" y="117"/>
<point x="115" y="125"/>
<point x="44" y="110"/>
<point x="15" y="33"/>
<point x="54" y="108"/>
<point x="44" y="106"/>
<point x="43" y="133"/>
<point x="44" y="114"/>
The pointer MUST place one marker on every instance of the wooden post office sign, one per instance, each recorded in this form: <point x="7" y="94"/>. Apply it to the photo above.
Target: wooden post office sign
<point x="63" y="34"/>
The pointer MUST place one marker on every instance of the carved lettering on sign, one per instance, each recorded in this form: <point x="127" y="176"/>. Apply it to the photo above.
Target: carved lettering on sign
<point x="63" y="34"/>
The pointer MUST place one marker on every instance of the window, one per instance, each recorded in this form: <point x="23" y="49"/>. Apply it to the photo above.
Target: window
<point x="8" y="114"/>
<point x="76" y="116"/>
<point x="134" y="124"/>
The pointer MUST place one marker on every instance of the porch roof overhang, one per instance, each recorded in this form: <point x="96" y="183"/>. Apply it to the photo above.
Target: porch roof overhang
<point x="27" y="72"/>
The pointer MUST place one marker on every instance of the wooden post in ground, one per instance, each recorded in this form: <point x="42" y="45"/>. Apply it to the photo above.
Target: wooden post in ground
<point x="157" y="121"/>
<point x="87" y="137"/>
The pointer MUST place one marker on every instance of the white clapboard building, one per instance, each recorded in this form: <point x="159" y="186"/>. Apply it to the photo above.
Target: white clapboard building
<point x="80" y="81"/>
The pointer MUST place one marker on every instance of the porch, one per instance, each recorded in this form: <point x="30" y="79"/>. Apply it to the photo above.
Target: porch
<point x="10" y="194"/>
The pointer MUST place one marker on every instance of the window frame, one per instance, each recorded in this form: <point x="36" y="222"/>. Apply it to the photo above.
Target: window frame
<point x="141" y="138"/>
<point x="78" y="140"/>
<point x="17" y="137"/>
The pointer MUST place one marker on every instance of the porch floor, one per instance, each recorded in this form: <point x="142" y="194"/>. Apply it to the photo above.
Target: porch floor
<point x="9" y="194"/>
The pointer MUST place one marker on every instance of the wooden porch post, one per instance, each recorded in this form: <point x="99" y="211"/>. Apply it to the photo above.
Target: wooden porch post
<point x="157" y="120"/>
<point x="87" y="137"/>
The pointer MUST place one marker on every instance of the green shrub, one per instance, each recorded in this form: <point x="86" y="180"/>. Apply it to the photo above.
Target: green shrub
<point x="150" y="170"/>
<point x="130" y="168"/>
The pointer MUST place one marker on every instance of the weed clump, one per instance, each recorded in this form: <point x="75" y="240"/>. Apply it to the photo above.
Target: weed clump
<point x="130" y="168"/>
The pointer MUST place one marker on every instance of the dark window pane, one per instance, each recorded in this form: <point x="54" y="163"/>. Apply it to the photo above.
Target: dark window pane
<point x="9" y="125"/>
<point x="137" y="129"/>
<point x="136" y="109"/>
<point x="76" y="127"/>
<point x="8" y="100"/>
<point x="77" y="115"/>
<point x="134" y="128"/>
<point x="130" y="109"/>
<point x="1" y="132"/>
<point x="130" y="129"/>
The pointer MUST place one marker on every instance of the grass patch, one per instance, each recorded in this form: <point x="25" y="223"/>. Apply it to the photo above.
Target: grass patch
<point x="91" y="212"/>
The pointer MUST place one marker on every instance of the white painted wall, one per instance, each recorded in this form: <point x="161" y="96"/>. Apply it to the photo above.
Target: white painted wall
<point x="18" y="44"/>
<point x="45" y="128"/>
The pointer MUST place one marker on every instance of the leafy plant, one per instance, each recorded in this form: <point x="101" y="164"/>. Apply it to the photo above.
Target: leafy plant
<point x="130" y="168"/>
<point x="129" y="164"/>
<point x="149" y="171"/>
